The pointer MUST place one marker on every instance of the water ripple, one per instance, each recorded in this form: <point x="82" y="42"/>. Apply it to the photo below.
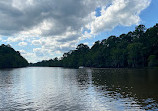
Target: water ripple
<point x="59" y="89"/>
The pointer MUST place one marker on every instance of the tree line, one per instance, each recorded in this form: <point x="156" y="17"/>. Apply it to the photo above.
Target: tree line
<point x="138" y="48"/>
<point x="9" y="58"/>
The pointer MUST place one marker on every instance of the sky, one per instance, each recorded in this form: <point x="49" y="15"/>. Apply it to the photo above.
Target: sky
<point x="44" y="29"/>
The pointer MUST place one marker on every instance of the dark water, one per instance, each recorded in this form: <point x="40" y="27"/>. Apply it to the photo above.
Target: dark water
<point x="59" y="89"/>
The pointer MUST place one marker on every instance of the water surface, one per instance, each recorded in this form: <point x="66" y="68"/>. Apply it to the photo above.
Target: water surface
<point x="60" y="89"/>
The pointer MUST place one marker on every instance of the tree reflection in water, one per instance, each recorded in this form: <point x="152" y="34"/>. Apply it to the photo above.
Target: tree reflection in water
<point x="138" y="84"/>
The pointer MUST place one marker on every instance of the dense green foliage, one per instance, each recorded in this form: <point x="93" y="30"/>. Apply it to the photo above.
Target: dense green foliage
<point x="134" y="49"/>
<point x="9" y="58"/>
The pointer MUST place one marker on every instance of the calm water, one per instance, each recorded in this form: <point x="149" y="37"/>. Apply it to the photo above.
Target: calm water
<point x="59" y="89"/>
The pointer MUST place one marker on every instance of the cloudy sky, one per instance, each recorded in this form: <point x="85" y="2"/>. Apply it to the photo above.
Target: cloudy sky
<point x="44" y="29"/>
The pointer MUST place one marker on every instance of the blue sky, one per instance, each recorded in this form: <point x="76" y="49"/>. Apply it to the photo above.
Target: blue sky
<point x="47" y="29"/>
<point x="149" y="17"/>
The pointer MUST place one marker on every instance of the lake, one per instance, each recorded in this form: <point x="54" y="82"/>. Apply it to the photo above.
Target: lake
<point x="61" y="89"/>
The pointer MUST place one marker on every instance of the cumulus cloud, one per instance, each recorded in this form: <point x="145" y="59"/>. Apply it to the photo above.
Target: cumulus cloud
<point x="58" y="25"/>
<point x="120" y="12"/>
<point x="33" y="57"/>
<point x="22" y="44"/>
<point x="14" y="39"/>
<point x="36" y="42"/>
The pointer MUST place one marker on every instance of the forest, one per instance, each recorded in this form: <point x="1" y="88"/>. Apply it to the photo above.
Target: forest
<point x="138" y="48"/>
<point x="9" y="58"/>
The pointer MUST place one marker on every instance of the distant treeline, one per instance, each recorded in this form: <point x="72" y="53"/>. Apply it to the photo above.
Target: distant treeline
<point x="9" y="58"/>
<point x="134" y="49"/>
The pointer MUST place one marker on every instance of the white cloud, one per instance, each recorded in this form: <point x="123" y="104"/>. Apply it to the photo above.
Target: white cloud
<point x="14" y="39"/>
<point x="32" y="57"/>
<point x="121" y="12"/>
<point x="36" y="42"/>
<point x="22" y="51"/>
<point x="59" y="25"/>
<point x="22" y="44"/>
